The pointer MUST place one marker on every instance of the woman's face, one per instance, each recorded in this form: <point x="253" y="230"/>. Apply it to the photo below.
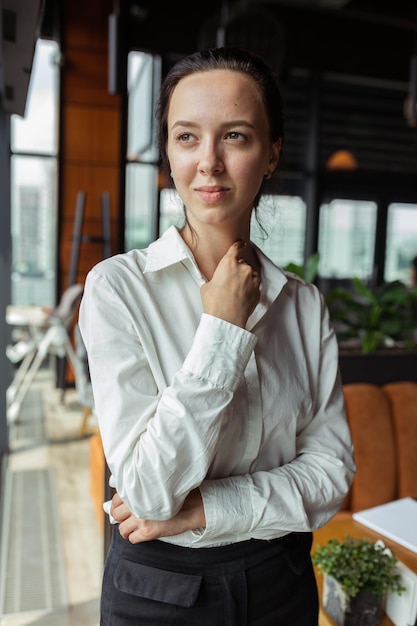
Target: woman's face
<point x="218" y="146"/>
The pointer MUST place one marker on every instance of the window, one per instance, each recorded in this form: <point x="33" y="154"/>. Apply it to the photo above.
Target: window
<point x="347" y="239"/>
<point x="34" y="146"/>
<point x="401" y="245"/>
<point x="171" y="210"/>
<point x="144" y="71"/>
<point x="283" y="219"/>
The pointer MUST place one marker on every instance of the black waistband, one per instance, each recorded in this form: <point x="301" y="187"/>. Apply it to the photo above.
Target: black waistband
<point x="236" y="555"/>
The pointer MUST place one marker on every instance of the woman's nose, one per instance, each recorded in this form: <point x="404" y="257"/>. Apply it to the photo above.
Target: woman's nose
<point x="210" y="161"/>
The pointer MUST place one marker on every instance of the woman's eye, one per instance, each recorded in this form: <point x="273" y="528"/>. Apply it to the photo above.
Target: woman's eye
<point x="185" y="137"/>
<point x="235" y="135"/>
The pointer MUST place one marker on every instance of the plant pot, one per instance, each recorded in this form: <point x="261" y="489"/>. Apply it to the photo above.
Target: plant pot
<point x="379" y="368"/>
<point x="365" y="609"/>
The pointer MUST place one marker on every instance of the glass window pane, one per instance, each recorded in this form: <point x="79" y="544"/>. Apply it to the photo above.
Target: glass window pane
<point x="283" y="219"/>
<point x="34" y="181"/>
<point x="143" y="77"/>
<point x="141" y="204"/>
<point x="347" y="239"/>
<point x="33" y="224"/>
<point x="141" y="208"/>
<point x="401" y="244"/>
<point x="171" y="210"/>
<point x="37" y="131"/>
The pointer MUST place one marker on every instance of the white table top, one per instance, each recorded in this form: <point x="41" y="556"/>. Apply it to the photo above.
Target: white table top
<point x="26" y="315"/>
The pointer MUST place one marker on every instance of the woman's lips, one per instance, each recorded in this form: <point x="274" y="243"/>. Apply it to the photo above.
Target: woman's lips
<point x="211" y="195"/>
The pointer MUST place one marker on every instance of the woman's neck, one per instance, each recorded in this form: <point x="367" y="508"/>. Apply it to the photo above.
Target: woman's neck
<point x="209" y="248"/>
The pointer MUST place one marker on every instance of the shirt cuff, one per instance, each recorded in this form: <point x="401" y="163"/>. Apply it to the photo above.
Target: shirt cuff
<point x="220" y="352"/>
<point x="226" y="509"/>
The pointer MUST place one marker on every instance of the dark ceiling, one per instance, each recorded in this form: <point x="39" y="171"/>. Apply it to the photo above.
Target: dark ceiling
<point x="366" y="37"/>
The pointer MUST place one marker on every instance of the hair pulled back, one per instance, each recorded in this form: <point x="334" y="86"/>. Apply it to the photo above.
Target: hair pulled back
<point x="233" y="59"/>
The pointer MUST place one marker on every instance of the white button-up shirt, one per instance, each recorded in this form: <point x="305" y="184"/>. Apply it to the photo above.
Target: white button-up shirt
<point x="254" y="417"/>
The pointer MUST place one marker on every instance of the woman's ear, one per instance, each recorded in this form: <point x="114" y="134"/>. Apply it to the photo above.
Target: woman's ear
<point x="274" y="157"/>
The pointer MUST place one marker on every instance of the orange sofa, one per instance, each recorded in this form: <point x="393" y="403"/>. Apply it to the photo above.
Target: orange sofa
<point x="383" y="421"/>
<point x="97" y="477"/>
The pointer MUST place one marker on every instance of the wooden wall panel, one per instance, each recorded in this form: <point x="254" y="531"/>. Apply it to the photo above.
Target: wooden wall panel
<point x="90" y="141"/>
<point x="93" y="181"/>
<point x="89" y="231"/>
<point x="92" y="135"/>
<point x="85" y="23"/>
<point x="90" y="132"/>
<point x="85" y="80"/>
<point x="90" y="254"/>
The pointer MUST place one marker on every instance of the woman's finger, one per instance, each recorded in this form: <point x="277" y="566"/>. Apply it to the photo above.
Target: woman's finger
<point x="116" y="499"/>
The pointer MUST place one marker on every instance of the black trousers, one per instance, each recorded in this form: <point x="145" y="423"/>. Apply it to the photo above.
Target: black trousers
<point x="251" y="583"/>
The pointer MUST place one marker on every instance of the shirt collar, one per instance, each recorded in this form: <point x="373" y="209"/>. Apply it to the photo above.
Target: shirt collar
<point x="170" y="248"/>
<point x="273" y="279"/>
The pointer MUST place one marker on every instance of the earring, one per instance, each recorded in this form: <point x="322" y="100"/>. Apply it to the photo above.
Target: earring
<point x="267" y="176"/>
<point x="171" y="175"/>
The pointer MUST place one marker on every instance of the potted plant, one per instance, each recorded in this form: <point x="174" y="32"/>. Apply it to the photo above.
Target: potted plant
<point x="376" y="327"/>
<point x="357" y="574"/>
<point x="382" y="317"/>
<point x="366" y="317"/>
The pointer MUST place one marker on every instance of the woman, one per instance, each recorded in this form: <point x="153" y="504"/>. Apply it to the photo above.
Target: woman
<point x="215" y="378"/>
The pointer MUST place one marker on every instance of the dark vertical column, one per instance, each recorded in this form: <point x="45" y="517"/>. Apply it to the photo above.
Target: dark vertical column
<point x="380" y="242"/>
<point x="122" y="51"/>
<point x="312" y="168"/>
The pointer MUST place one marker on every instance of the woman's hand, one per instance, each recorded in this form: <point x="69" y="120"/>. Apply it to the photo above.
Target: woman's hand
<point x="233" y="292"/>
<point x="136" y="530"/>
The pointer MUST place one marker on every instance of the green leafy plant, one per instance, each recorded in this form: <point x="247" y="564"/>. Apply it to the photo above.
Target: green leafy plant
<point x="374" y="318"/>
<point x="381" y="317"/>
<point x="308" y="271"/>
<point x="359" y="564"/>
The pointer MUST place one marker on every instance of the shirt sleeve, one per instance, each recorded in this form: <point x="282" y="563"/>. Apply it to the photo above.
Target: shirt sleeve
<point x="158" y="444"/>
<point x="301" y="495"/>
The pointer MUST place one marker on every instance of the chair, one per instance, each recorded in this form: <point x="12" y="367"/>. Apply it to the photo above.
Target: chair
<point x="48" y="334"/>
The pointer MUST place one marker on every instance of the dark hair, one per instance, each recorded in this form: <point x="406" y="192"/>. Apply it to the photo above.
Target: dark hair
<point x="233" y="59"/>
